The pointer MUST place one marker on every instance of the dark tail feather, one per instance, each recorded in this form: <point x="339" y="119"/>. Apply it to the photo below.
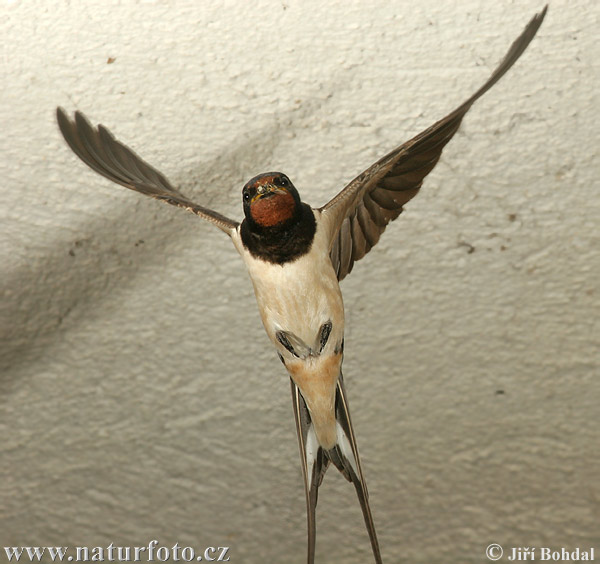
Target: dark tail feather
<point x="353" y="472"/>
<point x="314" y="465"/>
<point x="315" y="462"/>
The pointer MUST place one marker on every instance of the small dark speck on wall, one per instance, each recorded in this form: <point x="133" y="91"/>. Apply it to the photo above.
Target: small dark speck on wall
<point x="78" y="244"/>
<point x="470" y="248"/>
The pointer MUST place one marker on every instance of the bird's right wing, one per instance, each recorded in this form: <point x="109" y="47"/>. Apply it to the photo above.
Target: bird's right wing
<point x="99" y="149"/>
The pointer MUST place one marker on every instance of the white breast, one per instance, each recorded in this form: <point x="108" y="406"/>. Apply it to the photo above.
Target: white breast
<point x="299" y="296"/>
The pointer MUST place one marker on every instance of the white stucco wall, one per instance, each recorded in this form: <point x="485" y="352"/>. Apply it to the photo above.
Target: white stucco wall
<point x="140" y="397"/>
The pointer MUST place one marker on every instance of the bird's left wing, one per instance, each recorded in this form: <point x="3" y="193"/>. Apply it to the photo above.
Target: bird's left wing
<point x="359" y="214"/>
<point x="99" y="149"/>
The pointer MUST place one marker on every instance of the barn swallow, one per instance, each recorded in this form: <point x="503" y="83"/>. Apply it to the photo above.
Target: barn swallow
<point x="296" y="256"/>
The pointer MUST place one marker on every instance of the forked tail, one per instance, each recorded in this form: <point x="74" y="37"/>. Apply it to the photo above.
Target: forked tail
<point x="344" y="456"/>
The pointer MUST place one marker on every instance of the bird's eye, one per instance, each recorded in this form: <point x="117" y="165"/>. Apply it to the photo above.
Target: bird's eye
<point x="283" y="181"/>
<point x="246" y="196"/>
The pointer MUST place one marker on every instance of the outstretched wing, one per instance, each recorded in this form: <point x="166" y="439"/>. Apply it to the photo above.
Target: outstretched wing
<point x="359" y="214"/>
<point x="99" y="149"/>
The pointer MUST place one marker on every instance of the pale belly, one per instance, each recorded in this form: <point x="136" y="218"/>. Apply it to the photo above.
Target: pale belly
<point x="299" y="296"/>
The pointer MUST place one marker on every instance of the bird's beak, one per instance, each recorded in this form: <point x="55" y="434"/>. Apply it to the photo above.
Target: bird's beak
<point x="267" y="190"/>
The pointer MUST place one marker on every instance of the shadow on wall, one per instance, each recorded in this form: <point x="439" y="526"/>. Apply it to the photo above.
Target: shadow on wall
<point x="42" y="295"/>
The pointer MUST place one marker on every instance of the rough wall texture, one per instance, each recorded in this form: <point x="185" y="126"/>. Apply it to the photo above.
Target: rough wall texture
<point x="140" y="397"/>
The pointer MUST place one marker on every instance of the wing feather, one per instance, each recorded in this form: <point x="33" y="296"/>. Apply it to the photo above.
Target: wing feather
<point x="384" y="188"/>
<point x="99" y="149"/>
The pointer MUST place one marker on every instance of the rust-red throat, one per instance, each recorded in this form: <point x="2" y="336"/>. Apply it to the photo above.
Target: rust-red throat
<point x="271" y="210"/>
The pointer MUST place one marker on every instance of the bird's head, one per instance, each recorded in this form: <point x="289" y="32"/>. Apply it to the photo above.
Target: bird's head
<point x="270" y="200"/>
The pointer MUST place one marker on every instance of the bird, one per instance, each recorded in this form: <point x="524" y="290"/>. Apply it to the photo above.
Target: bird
<point x="296" y="256"/>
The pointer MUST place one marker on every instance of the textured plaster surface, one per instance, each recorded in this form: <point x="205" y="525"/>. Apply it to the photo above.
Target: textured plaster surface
<point x="140" y="397"/>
